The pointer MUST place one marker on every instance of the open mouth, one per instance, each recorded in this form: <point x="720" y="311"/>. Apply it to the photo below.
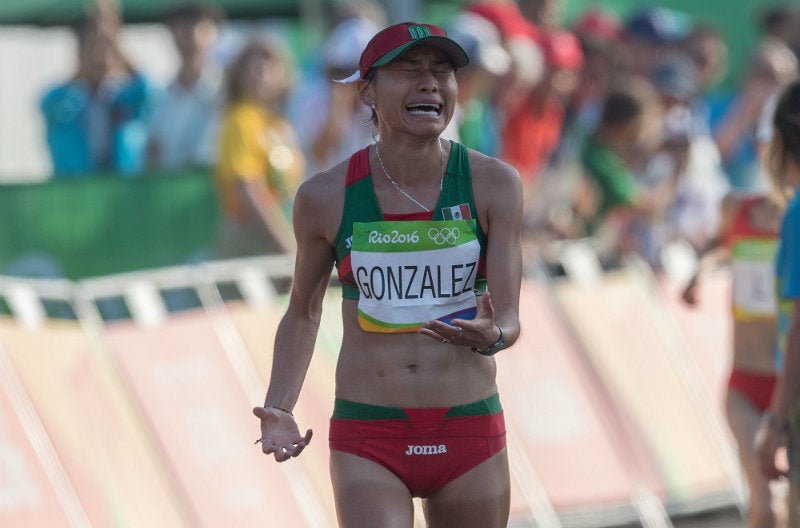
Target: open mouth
<point x="434" y="110"/>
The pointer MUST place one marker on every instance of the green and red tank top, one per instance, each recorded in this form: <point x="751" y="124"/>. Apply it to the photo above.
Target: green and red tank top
<point x="410" y="268"/>
<point x="752" y="264"/>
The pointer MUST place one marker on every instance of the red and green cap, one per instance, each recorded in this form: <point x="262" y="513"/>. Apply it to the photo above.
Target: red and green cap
<point x="393" y="41"/>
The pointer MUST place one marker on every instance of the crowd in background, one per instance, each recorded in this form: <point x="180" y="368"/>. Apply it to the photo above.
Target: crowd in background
<point x="618" y="126"/>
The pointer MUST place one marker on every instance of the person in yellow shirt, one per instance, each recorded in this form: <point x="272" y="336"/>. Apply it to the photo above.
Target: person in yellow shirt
<point x="260" y="164"/>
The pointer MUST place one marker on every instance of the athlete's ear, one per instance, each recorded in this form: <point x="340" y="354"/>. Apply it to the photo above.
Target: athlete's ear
<point x="365" y="95"/>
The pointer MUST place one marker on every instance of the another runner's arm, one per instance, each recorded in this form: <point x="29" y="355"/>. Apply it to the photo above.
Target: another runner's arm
<point x="715" y="251"/>
<point x="785" y="398"/>
<point x="787" y="393"/>
<point x="297" y="331"/>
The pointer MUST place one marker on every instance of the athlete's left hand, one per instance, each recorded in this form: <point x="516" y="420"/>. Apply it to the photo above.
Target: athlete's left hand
<point x="478" y="332"/>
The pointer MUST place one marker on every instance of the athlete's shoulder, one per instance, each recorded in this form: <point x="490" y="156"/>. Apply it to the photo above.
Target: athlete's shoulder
<point x="493" y="176"/>
<point x="325" y="187"/>
<point x="482" y="166"/>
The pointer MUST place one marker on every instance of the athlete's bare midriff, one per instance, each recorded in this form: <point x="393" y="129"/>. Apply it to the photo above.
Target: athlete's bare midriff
<point x="754" y="346"/>
<point x="383" y="369"/>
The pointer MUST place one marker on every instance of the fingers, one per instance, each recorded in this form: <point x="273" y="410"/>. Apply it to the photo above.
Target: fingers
<point x="454" y="333"/>
<point x="486" y="309"/>
<point x="443" y="332"/>
<point x="284" y="453"/>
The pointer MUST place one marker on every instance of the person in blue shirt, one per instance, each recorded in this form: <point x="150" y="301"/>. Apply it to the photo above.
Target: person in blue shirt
<point x="96" y="120"/>
<point x="734" y="118"/>
<point x="781" y="423"/>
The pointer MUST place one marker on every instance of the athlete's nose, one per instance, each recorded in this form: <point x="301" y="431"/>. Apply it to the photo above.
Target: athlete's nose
<point x="428" y="82"/>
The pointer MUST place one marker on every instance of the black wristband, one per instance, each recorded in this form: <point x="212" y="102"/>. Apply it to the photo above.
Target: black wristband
<point x="495" y="347"/>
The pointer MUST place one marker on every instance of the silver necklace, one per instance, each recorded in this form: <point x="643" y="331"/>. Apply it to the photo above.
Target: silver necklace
<point x="397" y="185"/>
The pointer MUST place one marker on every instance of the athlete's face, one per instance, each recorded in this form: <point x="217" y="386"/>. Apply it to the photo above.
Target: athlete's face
<point x="416" y="92"/>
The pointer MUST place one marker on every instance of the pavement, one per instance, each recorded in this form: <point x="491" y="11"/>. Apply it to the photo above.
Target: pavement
<point x="730" y="518"/>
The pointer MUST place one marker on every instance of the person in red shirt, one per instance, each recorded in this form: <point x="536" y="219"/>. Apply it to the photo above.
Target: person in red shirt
<point x="532" y="129"/>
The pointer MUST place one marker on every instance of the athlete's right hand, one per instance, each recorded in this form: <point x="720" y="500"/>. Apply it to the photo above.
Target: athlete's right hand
<point x="280" y="435"/>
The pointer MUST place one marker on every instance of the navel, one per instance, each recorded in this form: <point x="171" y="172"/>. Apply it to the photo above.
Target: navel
<point x="412" y="368"/>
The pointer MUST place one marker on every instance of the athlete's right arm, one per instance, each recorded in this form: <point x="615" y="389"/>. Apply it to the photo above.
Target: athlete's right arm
<point x="297" y="331"/>
<point x="714" y="252"/>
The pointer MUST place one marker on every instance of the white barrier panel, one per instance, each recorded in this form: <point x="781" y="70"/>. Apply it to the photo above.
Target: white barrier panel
<point x="99" y="440"/>
<point x="622" y="326"/>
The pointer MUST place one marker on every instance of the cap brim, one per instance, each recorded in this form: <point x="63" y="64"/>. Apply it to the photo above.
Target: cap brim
<point x="449" y="46"/>
<point x="352" y="78"/>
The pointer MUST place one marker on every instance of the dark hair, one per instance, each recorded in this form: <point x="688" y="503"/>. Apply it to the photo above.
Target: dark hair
<point x="773" y="19"/>
<point x="785" y="145"/>
<point x="629" y="100"/>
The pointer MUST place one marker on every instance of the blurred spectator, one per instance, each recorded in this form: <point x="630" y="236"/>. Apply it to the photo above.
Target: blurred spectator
<point x="476" y="118"/>
<point x="331" y="122"/>
<point x="532" y="129"/>
<point x="599" y="25"/>
<point x="185" y="120"/>
<point x="735" y="118"/>
<point x="627" y="135"/>
<point x="783" y="23"/>
<point x="505" y="15"/>
<point x="543" y="13"/>
<point x="707" y="48"/>
<point x="520" y="39"/>
<point x="689" y="158"/>
<point x="652" y="32"/>
<point x="96" y="121"/>
<point x="260" y="164"/>
<point x="560" y="192"/>
<point x="599" y="33"/>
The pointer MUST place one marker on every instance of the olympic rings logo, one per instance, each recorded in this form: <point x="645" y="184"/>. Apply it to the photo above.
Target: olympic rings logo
<point x="445" y="235"/>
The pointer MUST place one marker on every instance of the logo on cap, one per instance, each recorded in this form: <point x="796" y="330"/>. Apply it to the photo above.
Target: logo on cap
<point x="418" y="32"/>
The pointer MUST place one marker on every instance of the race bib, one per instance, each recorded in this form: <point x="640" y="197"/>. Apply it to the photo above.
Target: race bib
<point x="754" y="279"/>
<point x="408" y="273"/>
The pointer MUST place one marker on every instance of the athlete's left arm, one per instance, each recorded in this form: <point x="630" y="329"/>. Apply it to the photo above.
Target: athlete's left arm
<point x="498" y="198"/>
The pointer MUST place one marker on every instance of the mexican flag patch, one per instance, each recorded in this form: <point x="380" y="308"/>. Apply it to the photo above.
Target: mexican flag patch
<point x="457" y="212"/>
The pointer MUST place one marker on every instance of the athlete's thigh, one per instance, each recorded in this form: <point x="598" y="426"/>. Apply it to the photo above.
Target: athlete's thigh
<point x="743" y="419"/>
<point x="368" y="495"/>
<point x="479" y="498"/>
